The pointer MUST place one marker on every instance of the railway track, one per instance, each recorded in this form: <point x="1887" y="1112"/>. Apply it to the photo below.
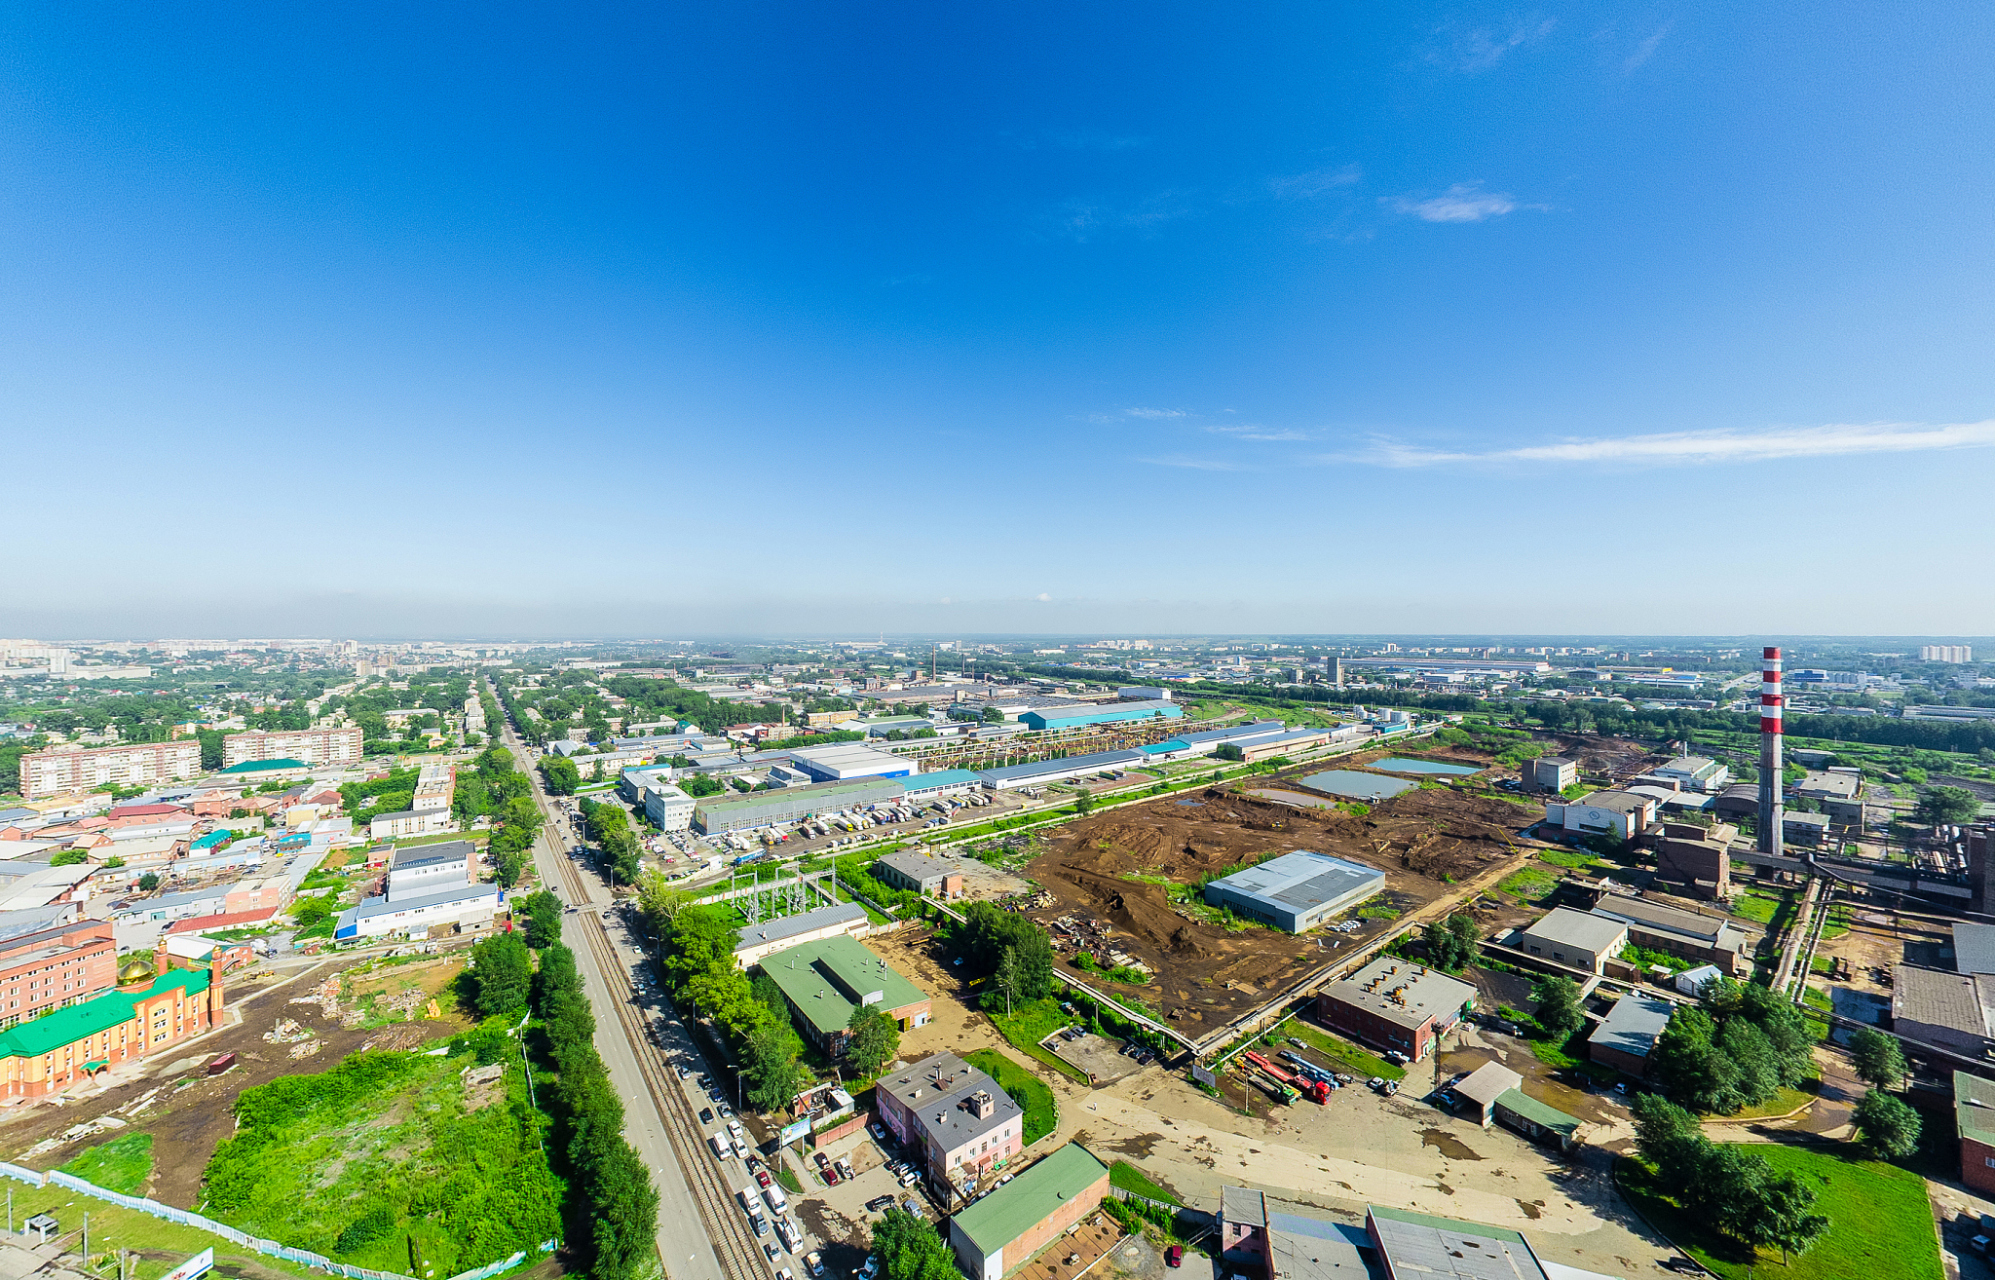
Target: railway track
<point x="734" y="1246"/>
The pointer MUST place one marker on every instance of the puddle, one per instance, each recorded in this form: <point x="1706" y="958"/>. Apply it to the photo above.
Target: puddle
<point x="1447" y="1144"/>
<point x="1191" y="804"/>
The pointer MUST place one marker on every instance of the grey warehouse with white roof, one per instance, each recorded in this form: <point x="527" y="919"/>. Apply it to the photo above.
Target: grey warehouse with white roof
<point x="1296" y="891"/>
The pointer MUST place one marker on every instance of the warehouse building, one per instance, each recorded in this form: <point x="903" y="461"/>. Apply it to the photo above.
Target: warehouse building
<point x="1657" y="926"/>
<point x="1004" y="1229"/>
<point x="1296" y="891"/>
<point x="758" y="941"/>
<point x="1143" y="692"/>
<point x="849" y="761"/>
<point x="1083" y="714"/>
<point x="1577" y="939"/>
<point x="1549" y="773"/>
<point x="1622" y="815"/>
<point x="1628" y="1035"/>
<point x="1395" y="1004"/>
<point x="743" y="811"/>
<point x="923" y="873"/>
<point x="1203" y="742"/>
<point x="1950" y="1010"/>
<point x="1494" y="1094"/>
<point x="826" y="981"/>
<point x="922" y="787"/>
<point x="1042" y="773"/>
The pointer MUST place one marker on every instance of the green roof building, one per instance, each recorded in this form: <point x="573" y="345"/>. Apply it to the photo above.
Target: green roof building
<point x="1003" y="1230"/>
<point x="824" y="981"/>
<point x="253" y="767"/>
<point x="47" y="1054"/>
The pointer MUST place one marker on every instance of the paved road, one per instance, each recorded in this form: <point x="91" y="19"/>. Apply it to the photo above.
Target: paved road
<point x="682" y="1241"/>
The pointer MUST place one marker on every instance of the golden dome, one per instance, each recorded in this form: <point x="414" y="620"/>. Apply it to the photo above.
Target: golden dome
<point x="135" y="970"/>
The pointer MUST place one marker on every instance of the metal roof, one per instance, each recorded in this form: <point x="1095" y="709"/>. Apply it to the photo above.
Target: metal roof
<point x="1655" y="917"/>
<point x="1974" y="948"/>
<point x="827" y="979"/>
<point x="1956" y="1001"/>
<point x="1064" y="767"/>
<point x="1403" y="993"/>
<point x="1004" y="1215"/>
<point x="938" y="1108"/>
<point x="1632" y="1025"/>
<point x="1487" y="1083"/>
<point x="1581" y="929"/>
<point x="1301" y="880"/>
<point x="1974" y="1107"/>
<point x="1542" y="1113"/>
<point x="768" y="931"/>
<point x="1421" y="1243"/>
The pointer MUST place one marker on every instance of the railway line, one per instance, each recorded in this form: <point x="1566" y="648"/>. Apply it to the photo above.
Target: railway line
<point x="734" y="1246"/>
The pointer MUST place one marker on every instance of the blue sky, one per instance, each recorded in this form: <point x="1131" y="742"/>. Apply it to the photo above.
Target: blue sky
<point x="431" y="320"/>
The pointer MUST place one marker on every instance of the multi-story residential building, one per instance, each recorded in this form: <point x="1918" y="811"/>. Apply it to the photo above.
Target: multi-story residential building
<point x="137" y="764"/>
<point x="315" y="747"/>
<point x="54" y="966"/>
<point x="959" y="1125"/>
<point x="435" y="786"/>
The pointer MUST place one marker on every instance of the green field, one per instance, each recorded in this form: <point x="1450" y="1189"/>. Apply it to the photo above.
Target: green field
<point x="385" y="1148"/>
<point x="1880" y="1221"/>
<point x="1356" y="1061"/>
<point x="1530" y="883"/>
<point x="1756" y="907"/>
<point x="120" y="1165"/>
<point x="1042" y="1113"/>
<point x="1127" y="1176"/>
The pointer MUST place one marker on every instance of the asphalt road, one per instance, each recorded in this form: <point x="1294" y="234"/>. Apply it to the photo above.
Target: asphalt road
<point x="682" y="1240"/>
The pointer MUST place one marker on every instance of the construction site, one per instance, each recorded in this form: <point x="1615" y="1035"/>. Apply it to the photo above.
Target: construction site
<point x="1126" y="888"/>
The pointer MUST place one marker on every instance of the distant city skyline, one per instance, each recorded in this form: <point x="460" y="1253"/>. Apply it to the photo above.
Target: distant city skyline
<point x="1299" y="318"/>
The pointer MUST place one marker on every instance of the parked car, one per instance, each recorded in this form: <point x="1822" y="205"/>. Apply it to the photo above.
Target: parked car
<point x="813" y="1264"/>
<point x="844" y="1168"/>
<point x="909" y="1178"/>
<point x="1376" y="1083"/>
<point x="706" y="1115"/>
<point x="878" y="1203"/>
<point x="762" y="1178"/>
<point x="870" y="1268"/>
<point x="1174" y="1256"/>
<point x="879" y="1132"/>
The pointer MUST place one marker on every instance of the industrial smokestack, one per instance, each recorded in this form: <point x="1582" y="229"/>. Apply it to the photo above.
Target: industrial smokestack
<point x="1770" y="705"/>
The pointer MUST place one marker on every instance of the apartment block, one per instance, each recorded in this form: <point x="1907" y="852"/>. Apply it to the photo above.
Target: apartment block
<point x="139" y="764"/>
<point x="315" y="747"/>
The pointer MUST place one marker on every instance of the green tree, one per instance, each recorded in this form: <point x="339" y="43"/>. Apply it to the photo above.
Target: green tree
<point x="1558" y="1008"/>
<point x="542" y="911"/>
<point x="561" y="774"/>
<point x="1887" y="1125"/>
<point x="1946" y="805"/>
<point x="1878" y="1059"/>
<point x="1084" y="803"/>
<point x="1003" y="990"/>
<point x="1669" y="1140"/>
<point x="993" y="715"/>
<point x="911" y="1249"/>
<point x="873" y="1040"/>
<point x="503" y="974"/>
<point x="769" y="1056"/>
<point x="67" y="857"/>
<point x="1452" y="944"/>
<point x="148" y="882"/>
<point x="1783" y="1217"/>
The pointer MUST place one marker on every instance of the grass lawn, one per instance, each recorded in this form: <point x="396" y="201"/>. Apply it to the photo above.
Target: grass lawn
<point x="788" y="1176"/>
<point x="121" y="1165"/>
<point x="1359" y="1062"/>
<point x="1042" y="1114"/>
<point x="1756" y="907"/>
<point x="1571" y="858"/>
<point x="1778" y="1105"/>
<point x="1531" y="883"/>
<point x="113" y="1228"/>
<point x="1028" y="1024"/>
<point x="356" y="1160"/>
<point x="1127" y="1176"/>
<point x="1880" y="1222"/>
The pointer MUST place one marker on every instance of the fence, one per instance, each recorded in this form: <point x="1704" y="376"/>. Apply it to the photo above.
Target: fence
<point x="271" y="1248"/>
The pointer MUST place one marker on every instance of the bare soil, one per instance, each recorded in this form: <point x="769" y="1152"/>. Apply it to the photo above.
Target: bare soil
<point x="1205" y="974"/>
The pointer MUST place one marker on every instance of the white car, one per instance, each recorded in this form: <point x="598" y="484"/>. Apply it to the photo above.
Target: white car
<point x="813" y="1263"/>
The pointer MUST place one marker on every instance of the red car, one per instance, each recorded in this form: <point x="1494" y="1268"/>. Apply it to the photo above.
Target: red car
<point x="762" y="1178"/>
<point x="1174" y="1256"/>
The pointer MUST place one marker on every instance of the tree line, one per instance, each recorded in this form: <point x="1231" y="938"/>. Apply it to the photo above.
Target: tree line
<point x="614" y="1213"/>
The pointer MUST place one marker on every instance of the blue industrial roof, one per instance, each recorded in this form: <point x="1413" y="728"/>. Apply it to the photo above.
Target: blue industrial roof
<point x="940" y="778"/>
<point x="1160" y="748"/>
<point x="1084" y="714"/>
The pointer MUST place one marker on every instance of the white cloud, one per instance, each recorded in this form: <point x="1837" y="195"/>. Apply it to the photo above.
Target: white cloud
<point x="1480" y="48"/>
<point x="1315" y="183"/>
<point x="1194" y="464"/>
<point x="1678" y="448"/>
<point x="1154" y="413"/>
<point x="1042" y="596"/>
<point x="1254" y="431"/>
<point x="1647" y="48"/>
<point x="1463" y="202"/>
<point x="1081" y="221"/>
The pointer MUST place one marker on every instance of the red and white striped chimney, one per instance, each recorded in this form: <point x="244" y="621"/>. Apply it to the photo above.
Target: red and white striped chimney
<point x="1771" y="704"/>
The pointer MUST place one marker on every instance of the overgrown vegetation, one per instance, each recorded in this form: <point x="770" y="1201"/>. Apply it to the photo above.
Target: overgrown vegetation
<point x="1042" y="1113"/>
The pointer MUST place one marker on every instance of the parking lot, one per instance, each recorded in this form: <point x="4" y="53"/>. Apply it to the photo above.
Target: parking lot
<point x="1101" y="1058"/>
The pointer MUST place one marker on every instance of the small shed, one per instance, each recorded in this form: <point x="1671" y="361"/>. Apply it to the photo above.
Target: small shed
<point x="1692" y="982"/>
<point x="1484" y="1086"/>
<point x="1538" y="1121"/>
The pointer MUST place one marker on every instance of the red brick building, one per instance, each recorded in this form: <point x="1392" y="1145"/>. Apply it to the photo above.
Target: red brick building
<point x="63" y="964"/>
<point x="1395" y="1004"/>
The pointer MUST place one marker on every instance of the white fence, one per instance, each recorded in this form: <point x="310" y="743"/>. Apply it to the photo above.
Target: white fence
<point x="226" y="1232"/>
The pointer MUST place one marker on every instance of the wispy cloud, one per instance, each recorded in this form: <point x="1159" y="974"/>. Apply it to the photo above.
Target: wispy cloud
<point x="1686" y="448"/>
<point x="1300" y="186"/>
<point x="1195" y="464"/>
<point x="1254" y="431"/>
<point x="1463" y="202"/>
<point x="1473" y="49"/>
<point x="1647" y="48"/>
<point x="1153" y="413"/>
<point x="1082" y="221"/>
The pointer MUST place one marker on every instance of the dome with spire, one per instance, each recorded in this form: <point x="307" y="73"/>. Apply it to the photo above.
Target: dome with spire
<point x="134" y="971"/>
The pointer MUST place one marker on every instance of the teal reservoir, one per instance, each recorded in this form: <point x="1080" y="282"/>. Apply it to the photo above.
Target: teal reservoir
<point x="1355" y="786"/>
